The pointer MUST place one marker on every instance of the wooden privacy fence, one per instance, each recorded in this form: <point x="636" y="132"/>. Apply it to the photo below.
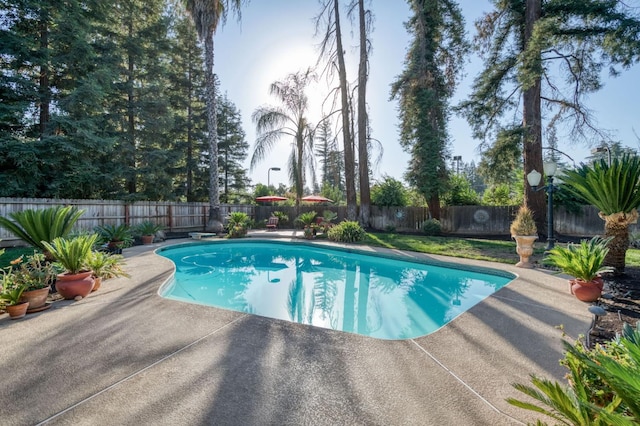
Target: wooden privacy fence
<point x="173" y="216"/>
<point x="184" y="217"/>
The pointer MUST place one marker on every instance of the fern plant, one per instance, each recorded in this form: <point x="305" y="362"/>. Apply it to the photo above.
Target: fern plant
<point x="72" y="254"/>
<point x="583" y="261"/>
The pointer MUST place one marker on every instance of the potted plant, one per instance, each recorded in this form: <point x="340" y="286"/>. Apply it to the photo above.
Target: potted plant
<point x="147" y="231"/>
<point x="238" y="224"/>
<point x="116" y="237"/>
<point x="11" y="293"/>
<point x="523" y="230"/>
<point x="36" y="274"/>
<point x="307" y="220"/>
<point x="104" y="266"/>
<point x="72" y="255"/>
<point x="584" y="262"/>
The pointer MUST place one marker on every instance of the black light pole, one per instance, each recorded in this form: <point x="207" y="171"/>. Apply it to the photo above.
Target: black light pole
<point x="275" y="169"/>
<point x="534" y="178"/>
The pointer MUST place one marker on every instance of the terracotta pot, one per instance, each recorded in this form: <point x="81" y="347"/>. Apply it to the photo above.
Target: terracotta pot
<point x="17" y="311"/>
<point x="36" y="298"/>
<point x="586" y="291"/>
<point x="147" y="239"/>
<point x="97" y="282"/>
<point x="524" y="248"/>
<point x="71" y="286"/>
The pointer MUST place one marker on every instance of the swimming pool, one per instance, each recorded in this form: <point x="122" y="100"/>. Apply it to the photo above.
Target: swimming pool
<point x="381" y="297"/>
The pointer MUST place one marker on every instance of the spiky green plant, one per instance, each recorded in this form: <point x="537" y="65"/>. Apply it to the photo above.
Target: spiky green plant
<point x="106" y="265"/>
<point x="73" y="253"/>
<point x="615" y="190"/>
<point x="307" y="218"/>
<point x="12" y="294"/>
<point x="238" y="224"/>
<point x="524" y="224"/>
<point x="618" y="368"/>
<point x="583" y="261"/>
<point x="36" y="226"/>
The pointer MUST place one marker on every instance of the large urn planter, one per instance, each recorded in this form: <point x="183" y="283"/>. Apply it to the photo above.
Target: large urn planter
<point x="587" y="291"/>
<point x="71" y="286"/>
<point x="524" y="248"/>
<point x="17" y="311"/>
<point x="37" y="299"/>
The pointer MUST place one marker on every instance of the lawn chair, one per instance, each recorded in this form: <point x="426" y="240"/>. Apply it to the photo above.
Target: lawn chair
<point x="272" y="223"/>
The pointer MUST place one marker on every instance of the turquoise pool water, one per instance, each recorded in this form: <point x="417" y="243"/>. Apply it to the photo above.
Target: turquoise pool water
<point x="374" y="296"/>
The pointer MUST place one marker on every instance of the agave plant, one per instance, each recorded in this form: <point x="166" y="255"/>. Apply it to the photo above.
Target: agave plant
<point x="583" y="261"/>
<point x="615" y="190"/>
<point x="36" y="226"/>
<point x="73" y="253"/>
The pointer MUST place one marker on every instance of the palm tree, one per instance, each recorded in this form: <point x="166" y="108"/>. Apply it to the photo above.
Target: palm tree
<point x="287" y="120"/>
<point x="615" y="190"/>
<point x="206" y="15"/>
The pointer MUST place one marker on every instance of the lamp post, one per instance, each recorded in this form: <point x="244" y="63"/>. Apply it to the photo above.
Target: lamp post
<point x="603" y="149"/>
<point x="275" y="169"/>
<point x="550" y="169"/>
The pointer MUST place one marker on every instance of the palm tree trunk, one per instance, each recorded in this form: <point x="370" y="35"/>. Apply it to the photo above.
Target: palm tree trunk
<point x="617" y="226"/>
<point x="213" y="224"/>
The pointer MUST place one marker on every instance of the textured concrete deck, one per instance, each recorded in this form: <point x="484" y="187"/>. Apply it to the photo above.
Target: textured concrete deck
<point x="124" y="355"/>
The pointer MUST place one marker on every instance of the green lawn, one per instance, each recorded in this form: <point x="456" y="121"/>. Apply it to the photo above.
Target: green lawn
<point x="13" y="253"/>
<point x="470" y="248"/>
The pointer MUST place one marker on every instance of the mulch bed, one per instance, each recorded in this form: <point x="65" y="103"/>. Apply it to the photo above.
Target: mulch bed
<point x="622" y="307"/>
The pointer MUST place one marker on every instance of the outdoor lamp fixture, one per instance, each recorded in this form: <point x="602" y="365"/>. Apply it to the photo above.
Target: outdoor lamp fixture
<point x="534" y="177"/>
<point x="603" y="148"/>
<point x="275" y="169"/>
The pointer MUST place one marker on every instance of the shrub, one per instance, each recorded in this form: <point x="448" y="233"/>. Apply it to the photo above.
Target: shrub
<point x="431" y="227"/>
<point x="347" y="232"/>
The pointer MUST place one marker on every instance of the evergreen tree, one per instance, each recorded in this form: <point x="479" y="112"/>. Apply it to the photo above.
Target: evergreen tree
<point x="330" y="158"/>
<point x="233" y="149"/>
<point x="535" y="51"/>
<point x="187" y="100"/>
<point x="424" y="88"/>
<point x="139" y="109"/>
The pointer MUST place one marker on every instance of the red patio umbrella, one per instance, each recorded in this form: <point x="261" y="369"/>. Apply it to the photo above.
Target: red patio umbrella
<point x="270" y="198"/>
<point x="316" y="199"/>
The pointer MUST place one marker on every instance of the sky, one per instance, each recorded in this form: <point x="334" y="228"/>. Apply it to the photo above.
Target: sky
<point x="275" y="38"/>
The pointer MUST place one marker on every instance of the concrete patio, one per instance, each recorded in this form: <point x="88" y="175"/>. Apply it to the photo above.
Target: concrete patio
<point x="125" y="355"/>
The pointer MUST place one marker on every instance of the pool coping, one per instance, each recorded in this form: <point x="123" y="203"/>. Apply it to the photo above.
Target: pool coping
<point x="117" y="356"/>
